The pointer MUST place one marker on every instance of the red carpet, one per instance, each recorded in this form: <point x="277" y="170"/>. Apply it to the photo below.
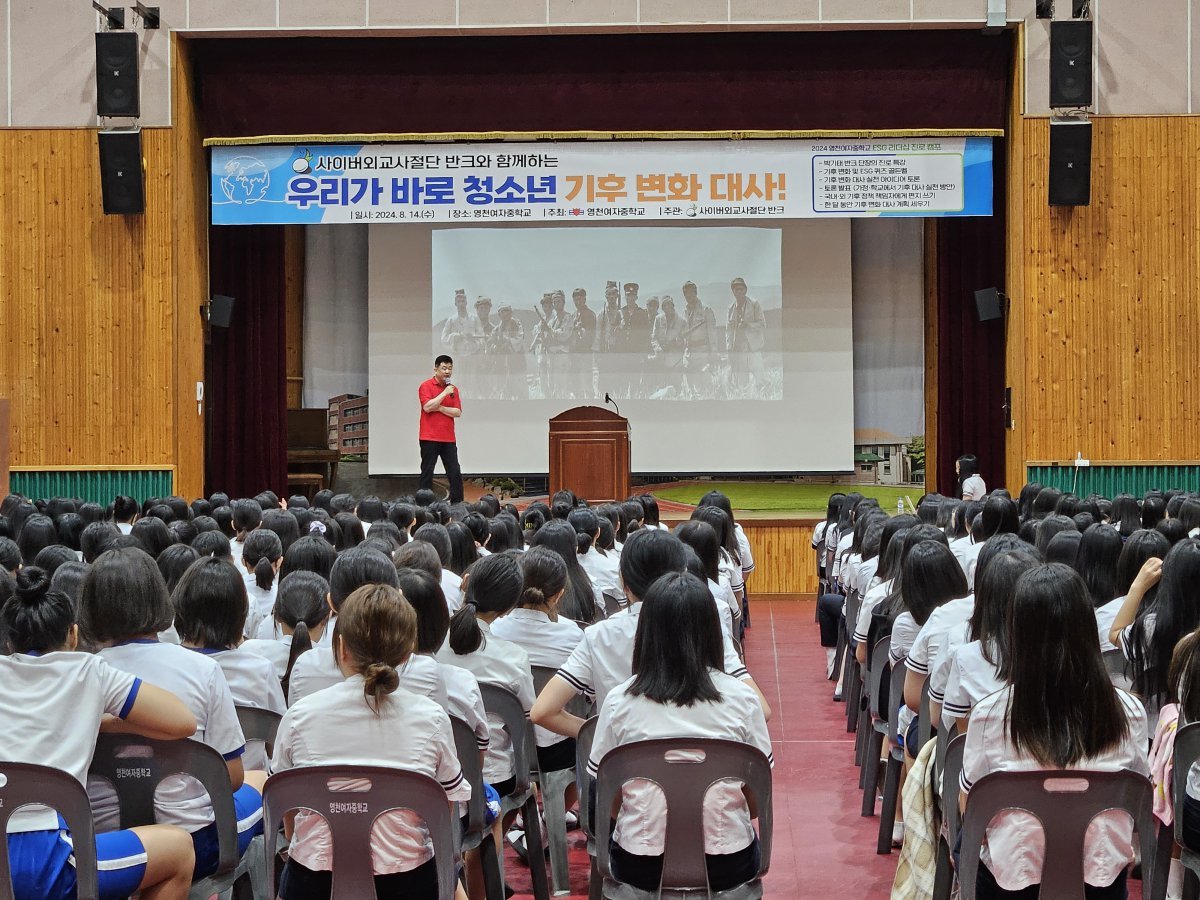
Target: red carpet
<point x="822" y="846"/>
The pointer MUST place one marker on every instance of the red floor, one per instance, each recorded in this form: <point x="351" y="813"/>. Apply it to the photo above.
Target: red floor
<point x="822" y="846"/>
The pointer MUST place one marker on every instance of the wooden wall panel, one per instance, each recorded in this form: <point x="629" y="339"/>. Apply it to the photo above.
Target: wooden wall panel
<point x="783" y="557"/>
<point x="1108" y="321"/>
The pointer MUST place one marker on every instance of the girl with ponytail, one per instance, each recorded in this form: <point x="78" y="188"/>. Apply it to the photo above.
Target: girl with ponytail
<point x="491" y="588"/>
<point x="245" y="517"/>
<point x="601" y="564"/>
<point x="77" y="696"/>
<point x="368" y="719"/>
<point x="301" y="616"/>
<point x="262" y="555"/>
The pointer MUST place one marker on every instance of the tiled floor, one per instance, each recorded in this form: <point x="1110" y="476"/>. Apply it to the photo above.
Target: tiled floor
<point x="822" y="846"/>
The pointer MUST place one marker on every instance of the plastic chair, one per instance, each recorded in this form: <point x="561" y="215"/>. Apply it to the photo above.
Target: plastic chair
<point x="503" y="703"/>
<point x="877" y="723"/>
<point x="684" y="782"/>
<point x="260" y="725"/>
<point x="943" y="881"/>
<point x="554" y="792"/>
<point x="478" y="834"/>
<point x="1117" y="666"/>
<point x="1065" y="815"/>
<point x="1187" y="752"/>
<point x="25" y="783"/>
<point x="851" y="674"/>
<point x="583" y="751"/>
<point x="614" y="602"/>
<point x="135" y="765"/>
<point x="895" y="761"/>
<point x="352" y="814"/>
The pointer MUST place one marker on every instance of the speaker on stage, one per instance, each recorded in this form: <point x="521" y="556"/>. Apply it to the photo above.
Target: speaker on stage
<point x="1070" y="63"/>
<point x="121" y="172"/>
<point x="1070" y="162"/>
<point x="117" y="91"/>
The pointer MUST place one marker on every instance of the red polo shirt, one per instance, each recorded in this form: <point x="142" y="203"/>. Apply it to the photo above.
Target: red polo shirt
<point x="436" y="426"/>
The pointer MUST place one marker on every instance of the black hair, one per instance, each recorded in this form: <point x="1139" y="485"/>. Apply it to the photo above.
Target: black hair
<point x="1154" y="510"/>
<point x="678" y="642"/>
<point x="351" y="531"/>
<point x="931" y="576"/>
<point x="70" y="528"/>
<point x="218" y="498"/>
<point x="1099" y="549"/>
<point x="152" y="533"/>
<point x="210" y="605"/>
<point x="123" y="597"/>
<point x="321" y="499"/>
<point x="606" y="535"/>
<point x="301" y="605"/>
<point x="968" y="465"/>
<point x="388" y="531"/>
<point x="310" y="553"/>
<point x="579" y="602"/>
<point x="174" y="561"/>
<point x="531" y="520"/>
<point x="1025" y="498"/>
<point x="1063" y="708"/>
<point x="95" y="537"/>
<point x="1049" y="527"/>
<point x="124" y="508"/>
<point x="648" y="555"/>
<point x="200" y="507"/>
<point x="702" y="538"/>
<point x="284" y="524"/>
<point x="424" y="497"/>
<point x="223" y="516"/>
<point x="1172" y="529"/>
<point x="356" y="567"/>
<point x="999" y="516"/>
<point x="426" y="596"/>
<point x="68" y="578"/>
<point x="247" y="516"/>
<point x="1176" y="611"/>
<point x="462" y="547"/>
<point x="929" y="508"/>
<point x="50" y="558"/>
<point x="37" y="532"/>
<point x="36" y="619"/>
<point x="1143" y="544"/>
<point x="437" y="537"/>
<point x="491" y="503"/>
<point x="182" y="531"/>
<point x="1083" y="521"/>
<point x="213" y="543"/>
<point x="1067" y="505"/>
<point x="994" y="590"/>
<point x="586" y="523"/>
<point x="721" y="521"/>
<point x="889" y="559"/>
<point x="477" y="524"/>
<point x="1064" y="548"/>
<point x="1044" y="503"/>
<point x="1126" y="515"/>
<point x="544" y="575"/>
<point x="162" y="512"/>
<point x="420" y="555"/>
<point x="493" y="586"/>
<point x="632" y="512"/>
<point x="832" y="509"/>
<point x="261" y="550"/>
<point x="650" y="509"/>
<point x="442" y="360"/>
<point x="370" y="509"/>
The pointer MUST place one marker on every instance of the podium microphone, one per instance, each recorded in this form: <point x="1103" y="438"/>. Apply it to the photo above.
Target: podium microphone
<point x="608" y="399"/>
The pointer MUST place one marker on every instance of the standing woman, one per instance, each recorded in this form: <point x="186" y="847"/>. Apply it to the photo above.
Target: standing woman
<point x="1058" y="711"/>
<point x="967" y="468"/>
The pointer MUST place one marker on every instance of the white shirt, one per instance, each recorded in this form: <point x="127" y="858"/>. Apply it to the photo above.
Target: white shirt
<point x="604" y="657"/>
<point x="904" y="634"/>
<point x="871" y="599"/>
<point x="744" y="549"/>
<point x="642" y="820"/>
<point x="730" y="571"/>
<point x="971" y="678"/>
<point x="275" y="650"/>
<point x="727" y="605"/>
<point x="317" y="670"/>
<point x="464" y="700"/>
<point x="958" y="547"/>
<point x="337" y="727"/>
<point x="950" y="615"/>
<point x="939" y="671"/>
<point x="818" y="539"/>
<point x="1105" y="616"/>
<point x="843" y="545"/>
<point x="547" y="643"/>
<point x="452" y="588"/>
<point x="850" y="571"/>
<point x="502" y="663"/>
<point x="604" y="572"/>
<point x="125" y="527"/>
<point x="261" y="607"/>
<point x="1015" y="847"/>
<point x="252" y="682"/>
<point x="51" y="707"/>
<point x="198" y="681"/>
<point x="970" y="559"/>
<point x="974" y="488"/>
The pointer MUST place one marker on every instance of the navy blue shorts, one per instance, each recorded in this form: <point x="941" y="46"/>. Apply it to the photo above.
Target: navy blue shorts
<point x="247" y="806"/>
<point x="43" y="864"/>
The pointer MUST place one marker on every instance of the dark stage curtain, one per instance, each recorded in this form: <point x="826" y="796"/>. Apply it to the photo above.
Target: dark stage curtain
<point x="246" y="367"/>
<point x="971" y="364"/>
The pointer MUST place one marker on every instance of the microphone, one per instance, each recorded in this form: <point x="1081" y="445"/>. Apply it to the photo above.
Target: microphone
<point x="608" y="399"/>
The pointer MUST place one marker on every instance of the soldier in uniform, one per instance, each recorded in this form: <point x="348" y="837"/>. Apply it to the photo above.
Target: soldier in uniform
<point x="506" y="346"/>
<point x="542" y="340"/>
<point x="610" y="336"/>
<point x="473" y="342"/>
<point x="700" y="339"/>
<point x="637" y="338"/>
<point x="583" y="339"/>
<point x="457" y="325"/>
<point x="667" y="338"/>
<point x="561" y="323"/>
<point x="745" y="336"/>
<point x="652" y="311"/>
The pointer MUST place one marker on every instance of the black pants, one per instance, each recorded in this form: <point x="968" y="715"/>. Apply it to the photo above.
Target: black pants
<point x="829" y="617"/>
<point x="987" y="889"/>
<point x="448" y="451"/>
<point x="299" y="883"/>
<point x="725" y="871"/>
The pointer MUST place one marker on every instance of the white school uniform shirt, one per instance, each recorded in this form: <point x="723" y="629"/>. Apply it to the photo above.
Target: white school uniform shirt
<point x="1126" y="634"/>
<point x="1015" y="847"/>
<point x="604" y="658"/>
<point x="338" y="727"/>
<point x="871" y="599"/>
<point x="971" y="560"/>
<point x="464" y="700"/>
<point x="850" y="570"/>
<point x="971" y="678"/>
<point x="125" y="527"/>
<point x="452" y="588"/>
<point x="235" y="551"/>
<point x="274" y="650"/>
<point x="502" y="663"/>
<point x="728" y="566"/>
<point x="252" y="682"/>
<point x="958" y="547"/>
<point x="933" y="634"/>
<point x="843" y="545"/>
<point x="1105" y="616"/>
<point x="939" y="669"/>
<point x="269" y="629"/>
<point x="904" y="634"/>
<point x="51" y="707"/>
<point x="727" y="605"/>
<point x="818" y="535"/>
<point x="642" y="820"/>
<point x="198" y="681"/>
<point x="547" y="643"/>
<point x="317" y="670"/>
<point x="974" y="488"/>
<point x="603" y="570"/>
<point x="744" y="549"/>
<point x="261" y="606"/>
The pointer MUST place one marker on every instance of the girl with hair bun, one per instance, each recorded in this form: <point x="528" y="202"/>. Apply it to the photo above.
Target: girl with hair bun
<point x="368" y="719"/>
<point x="55" y="703"/>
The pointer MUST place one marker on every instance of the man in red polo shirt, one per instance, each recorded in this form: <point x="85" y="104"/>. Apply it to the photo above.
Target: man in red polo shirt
<point x="440" y="406"/>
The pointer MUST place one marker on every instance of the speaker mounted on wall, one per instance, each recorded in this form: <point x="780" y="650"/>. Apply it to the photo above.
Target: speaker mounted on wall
<point x="1071" y="63"/>
<point x="121" y="171"/>
<point x="220" y="311"/>
<point x="989" y="304"/>
<point x="117" y="65"/>
<point x="1070" y="162"/>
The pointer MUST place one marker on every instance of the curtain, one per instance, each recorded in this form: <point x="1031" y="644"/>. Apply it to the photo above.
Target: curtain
<point x="246" y="368"/>
<point x="335" y="312"/>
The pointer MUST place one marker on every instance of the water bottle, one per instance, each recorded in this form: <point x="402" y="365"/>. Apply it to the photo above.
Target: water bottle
<point x="900" y="507"/>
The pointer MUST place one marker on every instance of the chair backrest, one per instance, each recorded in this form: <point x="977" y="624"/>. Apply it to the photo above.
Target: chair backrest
<point x="952" y="765"/>
<point x="895" y="698"/>
<point x="1065" y="801"/>
<point x="853" y="604"/>
<point x="503" y="703"/>
<point x="583" y="751"/>
<point x="259" y="725"/>
<point x="684" y="778"/>
<point x="1187" y="751"/>
<point x="879" y="684"/>
<point x="924" y="720"/>
<point x="352" y="814"/>
<point x="612" y="603"/>
<point x="466" y="748"/>
<point x="135" y="765"/>
<point x="577" y="706"/>
<point x="25" y="783"/>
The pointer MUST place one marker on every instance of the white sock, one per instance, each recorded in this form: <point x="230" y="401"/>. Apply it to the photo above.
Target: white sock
<point x="1175" y="880"/>
<point x="830" y="657"/>
<point x="898" y="832"/>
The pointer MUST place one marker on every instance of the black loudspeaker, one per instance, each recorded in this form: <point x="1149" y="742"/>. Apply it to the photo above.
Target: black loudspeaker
<point x="121" y="172"/>
<point x="220" y="311"/>
<point x="1070" y="63"/>
<point x="987" y="304"/>
<point x="117" y="91"/>
<point x="1070" y="163"/>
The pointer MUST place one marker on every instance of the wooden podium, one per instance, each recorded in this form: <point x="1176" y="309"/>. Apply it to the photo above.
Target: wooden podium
<point x="589" y="454"/>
